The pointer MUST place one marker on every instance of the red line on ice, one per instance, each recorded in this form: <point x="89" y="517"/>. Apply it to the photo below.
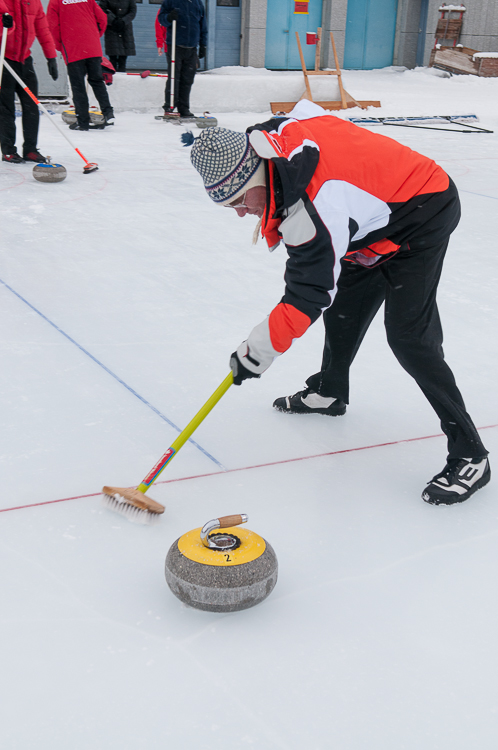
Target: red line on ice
<point x="256" y="466"/>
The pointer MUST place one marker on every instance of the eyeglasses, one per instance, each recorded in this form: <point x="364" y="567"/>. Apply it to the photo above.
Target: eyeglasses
<point x="239" y="205"/>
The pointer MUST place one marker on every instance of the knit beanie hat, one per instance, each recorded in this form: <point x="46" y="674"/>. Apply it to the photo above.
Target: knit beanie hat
<point x="227" y="163"/>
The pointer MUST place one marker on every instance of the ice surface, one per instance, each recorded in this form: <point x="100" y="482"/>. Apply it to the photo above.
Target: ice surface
<point x="122" y="295"/>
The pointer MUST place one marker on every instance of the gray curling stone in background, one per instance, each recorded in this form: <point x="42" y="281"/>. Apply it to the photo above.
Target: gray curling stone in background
<point x="223" y="572"/>
<point x="49" y="172"/>
<point x="206" y="121"/>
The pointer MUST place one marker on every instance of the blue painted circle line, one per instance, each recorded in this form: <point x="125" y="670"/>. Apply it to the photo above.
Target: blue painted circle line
<point x="111" y="373"/>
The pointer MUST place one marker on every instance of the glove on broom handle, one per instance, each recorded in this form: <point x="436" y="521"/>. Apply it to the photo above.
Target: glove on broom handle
<point x="186" y="433"/>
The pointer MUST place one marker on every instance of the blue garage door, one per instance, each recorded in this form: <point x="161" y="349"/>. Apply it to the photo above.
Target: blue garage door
<point x="281" y="24"/>
<point x="145" y="38"/>
<point x="370" y="30"/>
<point x="227" y="33"/>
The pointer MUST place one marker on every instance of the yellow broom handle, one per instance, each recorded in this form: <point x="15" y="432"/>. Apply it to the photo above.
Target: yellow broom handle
<point x="186" y="433"/>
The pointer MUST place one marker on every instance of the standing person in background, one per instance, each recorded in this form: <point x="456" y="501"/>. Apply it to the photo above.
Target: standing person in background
<point x="23" y="22"/>
<point x="76" y="28"/>
<point x="160" y="36"/>
<point x="119" y="39"/>
<point x="191" y="32"/>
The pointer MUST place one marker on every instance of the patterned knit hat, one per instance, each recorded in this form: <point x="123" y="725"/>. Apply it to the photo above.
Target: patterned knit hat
<point x="226" y="162"/>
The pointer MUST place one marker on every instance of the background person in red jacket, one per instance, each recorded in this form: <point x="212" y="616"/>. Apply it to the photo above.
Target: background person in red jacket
<point x="161" y="34"/>
<point x="76" y="27"/>
<point x="22" y="22"/>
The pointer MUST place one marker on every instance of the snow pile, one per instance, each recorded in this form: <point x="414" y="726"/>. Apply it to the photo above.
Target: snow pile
<point x="402" y="92"/>
<point x="228" y="89"/>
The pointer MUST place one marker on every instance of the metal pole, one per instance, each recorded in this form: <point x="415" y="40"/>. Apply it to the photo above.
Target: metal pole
<point x="173" y="54"/>
<point x="2" y="52"/>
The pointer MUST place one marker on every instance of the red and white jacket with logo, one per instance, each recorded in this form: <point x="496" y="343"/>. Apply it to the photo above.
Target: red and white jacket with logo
<point x="76" y="26"/>
<point x="337" y="191"/>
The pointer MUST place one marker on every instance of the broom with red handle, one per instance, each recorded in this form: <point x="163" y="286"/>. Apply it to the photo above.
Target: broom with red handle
<point x="89" y="166"/>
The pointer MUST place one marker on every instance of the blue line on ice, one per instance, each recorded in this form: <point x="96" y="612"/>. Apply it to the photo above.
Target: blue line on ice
<point x="129" y="388"/>
<point x="481" y="195"/>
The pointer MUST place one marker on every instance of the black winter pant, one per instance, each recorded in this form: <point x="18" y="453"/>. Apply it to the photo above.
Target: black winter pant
<point x="407" y="283"/>
<point x="77" y="71"/>
<point x="185" y="70"/>
<point x="119" y="62"/>
<point x="30" y="114"/>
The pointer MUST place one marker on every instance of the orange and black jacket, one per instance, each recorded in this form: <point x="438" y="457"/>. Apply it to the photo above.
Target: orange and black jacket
<point x="335" y="190"/>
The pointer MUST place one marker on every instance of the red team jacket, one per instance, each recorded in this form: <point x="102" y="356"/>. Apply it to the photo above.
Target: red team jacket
<point x="76" y="27"/>
<point x="29" y="23"/>
<point x="337" y="191"/>
<point x="161" y="32"/>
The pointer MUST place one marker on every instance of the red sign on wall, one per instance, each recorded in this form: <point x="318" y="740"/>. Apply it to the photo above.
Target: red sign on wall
<point x="301" y="7"/>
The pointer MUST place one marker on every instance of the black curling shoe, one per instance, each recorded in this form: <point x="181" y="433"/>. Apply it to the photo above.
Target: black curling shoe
<point x="309" y="402"/>
<point x="459" y="479"/>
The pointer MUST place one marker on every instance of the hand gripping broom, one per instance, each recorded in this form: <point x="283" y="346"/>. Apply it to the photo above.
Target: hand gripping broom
<point x="134" y="503"/>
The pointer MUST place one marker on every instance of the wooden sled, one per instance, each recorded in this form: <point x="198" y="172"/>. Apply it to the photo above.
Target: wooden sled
<point x="346" y="100"/>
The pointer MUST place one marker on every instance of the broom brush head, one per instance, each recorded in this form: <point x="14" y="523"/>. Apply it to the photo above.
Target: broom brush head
<point x="132" y="504"/>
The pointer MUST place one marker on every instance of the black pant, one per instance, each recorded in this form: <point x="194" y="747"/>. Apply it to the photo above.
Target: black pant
<point x="30" y="114"/>
<point x="408" y="285"/>
<point x="91" y="67"/>
<point x="185" y="69"/>
<point x="119" y="62"/>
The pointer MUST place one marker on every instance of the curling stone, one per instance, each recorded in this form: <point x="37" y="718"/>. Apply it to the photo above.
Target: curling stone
<point x="206" y="121"/>
<point x="49" y="172"/>
<point x="222" y="572"/>
<point x="96" y="116"/>
<point x="69" y="116"/>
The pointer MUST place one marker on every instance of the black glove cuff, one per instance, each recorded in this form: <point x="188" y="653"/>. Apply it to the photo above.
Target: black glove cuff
<point x="240" y="372"/>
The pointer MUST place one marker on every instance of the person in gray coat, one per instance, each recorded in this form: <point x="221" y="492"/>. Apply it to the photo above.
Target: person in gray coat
<point x="119" y="40"/>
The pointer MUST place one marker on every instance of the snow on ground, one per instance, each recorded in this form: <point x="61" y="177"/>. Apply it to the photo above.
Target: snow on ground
<point x="122" y="295"/>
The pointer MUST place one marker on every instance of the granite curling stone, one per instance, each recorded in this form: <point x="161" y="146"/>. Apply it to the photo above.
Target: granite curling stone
<point x="96" y="116"/>
<point x="206" y="121"/>
<point x="222" y="572"/>
<point x="49" y="172"/>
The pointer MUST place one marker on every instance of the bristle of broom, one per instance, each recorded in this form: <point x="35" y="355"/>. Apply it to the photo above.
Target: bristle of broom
<point x="132" y="504"/>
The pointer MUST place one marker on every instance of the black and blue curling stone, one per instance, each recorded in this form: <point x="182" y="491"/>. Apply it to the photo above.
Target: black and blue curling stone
<point x="49" y="172"/>
<point x="206" y="121"/>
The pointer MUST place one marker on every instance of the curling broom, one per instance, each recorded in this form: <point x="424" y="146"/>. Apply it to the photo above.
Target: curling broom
<point x="89" y="166"/>
<point x="134" y="504"/>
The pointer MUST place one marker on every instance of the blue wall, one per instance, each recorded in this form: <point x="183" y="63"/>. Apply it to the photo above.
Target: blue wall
<point x="370" y="30"/>
<point x="281" y="24"/>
